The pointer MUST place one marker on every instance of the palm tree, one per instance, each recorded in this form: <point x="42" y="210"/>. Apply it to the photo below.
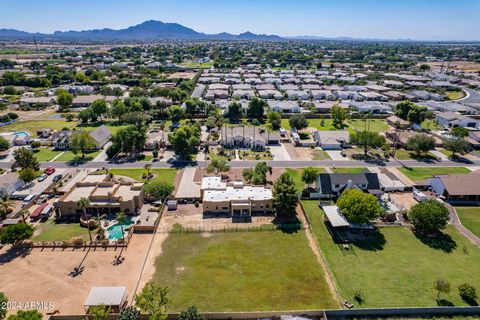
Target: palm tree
<point x="83" y="203"/>
<point x="148" y="168"/>
<point x="255" y="123"/>
<point x="121" y="218"/>
<point x="6" y="206"/>
<point x="24" y="214"/>
<point x="244" y="123"/>
<point x="161" y="126"/>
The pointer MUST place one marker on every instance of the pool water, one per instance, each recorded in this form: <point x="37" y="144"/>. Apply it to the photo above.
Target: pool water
<point x="22" y="133"/>
<point x="115" y="231"/>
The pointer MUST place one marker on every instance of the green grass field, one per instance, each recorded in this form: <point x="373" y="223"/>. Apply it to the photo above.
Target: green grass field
<point x="242" y="271"/>
<point x="320" y="155"/>
<point x="69" y="156"/>
<point x="34" y="125"/>
<point x="200" y="65"/>
<point x="470" y="218"/>
<point x="396" y="269"/>
<point x="375" y="125"/>
<point x="431" y="125"/>
<point x="349" y="170"/>
<point x="165" y="175"/>
<point x="423" y="173"/>
<point x="455" y="95"/>
<point x="402" y="154"/>
<point x="296" y="175"/>
<point x="52" y="231"/>
<point x="46" y="154"/>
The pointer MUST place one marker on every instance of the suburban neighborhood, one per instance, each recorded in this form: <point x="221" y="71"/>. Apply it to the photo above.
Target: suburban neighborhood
<point x="157" y="172"/>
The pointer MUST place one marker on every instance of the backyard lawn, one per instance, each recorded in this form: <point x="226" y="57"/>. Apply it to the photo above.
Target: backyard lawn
<point x="320" y="155"/>
<point x="423" y="173"/>
<point x="52" y="231"/>
<point x="396" y="269"/>
<point x="164" y="175"/>
<point x="431" y="125"/>
<point x="33" y="126"/>
<point x="455" y="95"/>
<point x="470" y="217"/>
<point x="242" y="271"/>
<point x="319" y="124"/>
<point x="375" y="125"/>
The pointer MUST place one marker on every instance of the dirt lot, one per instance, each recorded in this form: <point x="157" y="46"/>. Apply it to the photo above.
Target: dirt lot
<point x="44" y="275"/>
<point x="189" y="216"/>
<point x="404" y="200"/>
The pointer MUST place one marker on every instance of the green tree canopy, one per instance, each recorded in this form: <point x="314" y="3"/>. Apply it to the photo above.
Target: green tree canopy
<point x="358" y="206"/>
<point x="176" y="113"/>
<point x="339" y="115"/>
<point x="159" y="189"/>
<point x="4" y="144"/>
<point x="25" y="158"/>
<point x="275" y="120"/>
<point x="191" y="313"/>
<point x="218" y="164"/>
<point x="153" y="300"/>
<point x="64" y="99"/>
<point x="456" y="145"/>
<point x="27" y="175"/>
<point x="256" y="108"/>
<point x="99" y="107"/>
<point x="81" y="142"/>
<point x="298" y="122"/>
<point x="367" y="140"/>
<point x="185" y="141"/>
<point x="429" y="217"/>
<point x="285" y="196"/>
<point x="16" y="233"/>
<point x="420" y="143"/>
<point x="310" y="175"/>
<point x="234" y="111"/>
<point x="26" y="315"/>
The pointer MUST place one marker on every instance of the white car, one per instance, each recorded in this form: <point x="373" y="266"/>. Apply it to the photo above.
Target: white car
<point x="42" y="177"/>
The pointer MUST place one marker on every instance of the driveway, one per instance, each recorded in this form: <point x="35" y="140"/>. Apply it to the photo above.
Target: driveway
<point x="280" y="152"/>
<point x="102" y="156"/>
<point x="336" y="155"/>
<point x="36" y="187"/>
<point x="187" y="187"/>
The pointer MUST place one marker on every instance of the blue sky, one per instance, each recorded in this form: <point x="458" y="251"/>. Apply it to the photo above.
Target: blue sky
<point x="392" y="19"/>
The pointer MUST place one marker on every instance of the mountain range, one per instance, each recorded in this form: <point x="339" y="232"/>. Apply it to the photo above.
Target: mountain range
<point x="147" y="31"/>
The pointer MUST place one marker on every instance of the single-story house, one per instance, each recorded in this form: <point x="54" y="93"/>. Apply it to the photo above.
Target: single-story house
<point x="401" y="137"/>
<point x="331" y="185"/>
<point x="101" y="135"/>
<point x="9" y="183"/>
<point x="331" y="140"/>
<point x="284" y="106"/>
<point x="397" y="122"/>
<point x="453" y="119"/>
<point x="248" y="137"/>
<point x="457" y="187"/>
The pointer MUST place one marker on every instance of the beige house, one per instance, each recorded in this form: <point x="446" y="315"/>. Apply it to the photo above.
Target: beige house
<point x="234" y="198"/>
<point x="105" y="195"/>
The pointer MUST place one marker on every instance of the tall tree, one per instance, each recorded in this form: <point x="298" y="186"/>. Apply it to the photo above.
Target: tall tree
<point x="83" y="203"/>
<point x="358" y="206"/>
<point x="16" y="233"/>
<point x="339" y="115"/>
<point x="309" y="175"/>
<point x="367" y="140"/>
<point x="275" y="119"/>
<point x="81" y="142"/>
<point x="25" y="158"/>
<point x="285" y="196"/>
<point x="191" y="313"/>
<point x="298" y="122"/>
<point x="64" y="99"/>
<point x="122" y="219"/>
<point x="456" y="145"/>
<point x="429" y="217"/>
<point x="234" y="111"/>
<point x="256" y="108"/>
<point x="154" y="300"/>
<point x="420" y="143"/>
<point x="99" y="108"/>
<point x="175" y="113"/>
<point x="185" y="141"/>
<point x="27" y="175"/>
<point x="6" y="206"/>
<point x="217" y="165"/>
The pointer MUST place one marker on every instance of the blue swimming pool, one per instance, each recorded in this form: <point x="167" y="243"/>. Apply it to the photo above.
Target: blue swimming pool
<point x="115" y="231"/>
<point x="22" y="133"/>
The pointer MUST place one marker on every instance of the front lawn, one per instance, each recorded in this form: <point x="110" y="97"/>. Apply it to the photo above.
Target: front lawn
<point x="320" y="155"/>
<point x="423" y="173"/>
<point x="470" y="218"/>
<point x="69" y="156"/>
<point x="319" y="124"/>
<point x="296" y="175"/>
<point x="53" y="231"/>
<point x="374" y="125"/>
<point x="394" y="268"/>
<point x="46" y="154"/>
<point x="402" y="154"/>
<point x="349" y="170"/>
<point x="164" y="175"/>
<point x="254" y="155"/>
<point x="32" y="126"/>
<point x="242" y="271"/>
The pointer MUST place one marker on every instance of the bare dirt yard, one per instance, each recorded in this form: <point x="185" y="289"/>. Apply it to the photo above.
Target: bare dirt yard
<point x="46" y="275"/>
<point x="234" y="174"/>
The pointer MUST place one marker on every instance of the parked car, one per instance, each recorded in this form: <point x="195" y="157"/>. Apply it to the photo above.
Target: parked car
<point x="43" y="198"/>
<point x="57" y="178"/>
<point x="49" y="170"/>
<point x="42" y="177"/>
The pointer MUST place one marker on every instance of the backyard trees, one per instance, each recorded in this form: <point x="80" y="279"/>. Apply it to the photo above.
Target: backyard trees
<point x="99" y="108"/>
<point x="442" y="286"/>
<point x="6" y="206"/>
<point x="191" y="313"/>
<point x="99" y="312"/>
<point x="121" y="218"/>
<point x="460" y="132"/>
<point x="284" y="196"/>
<point x="298" y="122"/>
<point x="81" y="142"/>
<point x="256" y="108"/>
<point x="218" y="164"/>
<point x="185" y="141"/>
<point x="25" y="158"/>
<point x="130" y="139"/>
<point x="275" y="120"/>
<point x="83" y="203"/>
<point x="158" y="189"/>
<point x="456" y="145"/>
<point x="358" y="206"/>
<point x="27" y="175"/>
<point x="3" y="302"/>
<point x="26" y="315"/>
<point x="129" y="313"/>
<point x="367" y="140"/>
<point x="408" y="110"/>
<point x="154" y="300"/>
<point x="175" y="113"/>
<point x="429" y="217"/>
<point x="4" y="144"/>
<point x="339" y="115"/>
<point x="16" y="233"/>
<point x="234" y="111"/>
<point x="420" y="143"/>
<point x="468" y="293"/>
<point x="309" y="175"/>
<point x="64" y="99"/>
